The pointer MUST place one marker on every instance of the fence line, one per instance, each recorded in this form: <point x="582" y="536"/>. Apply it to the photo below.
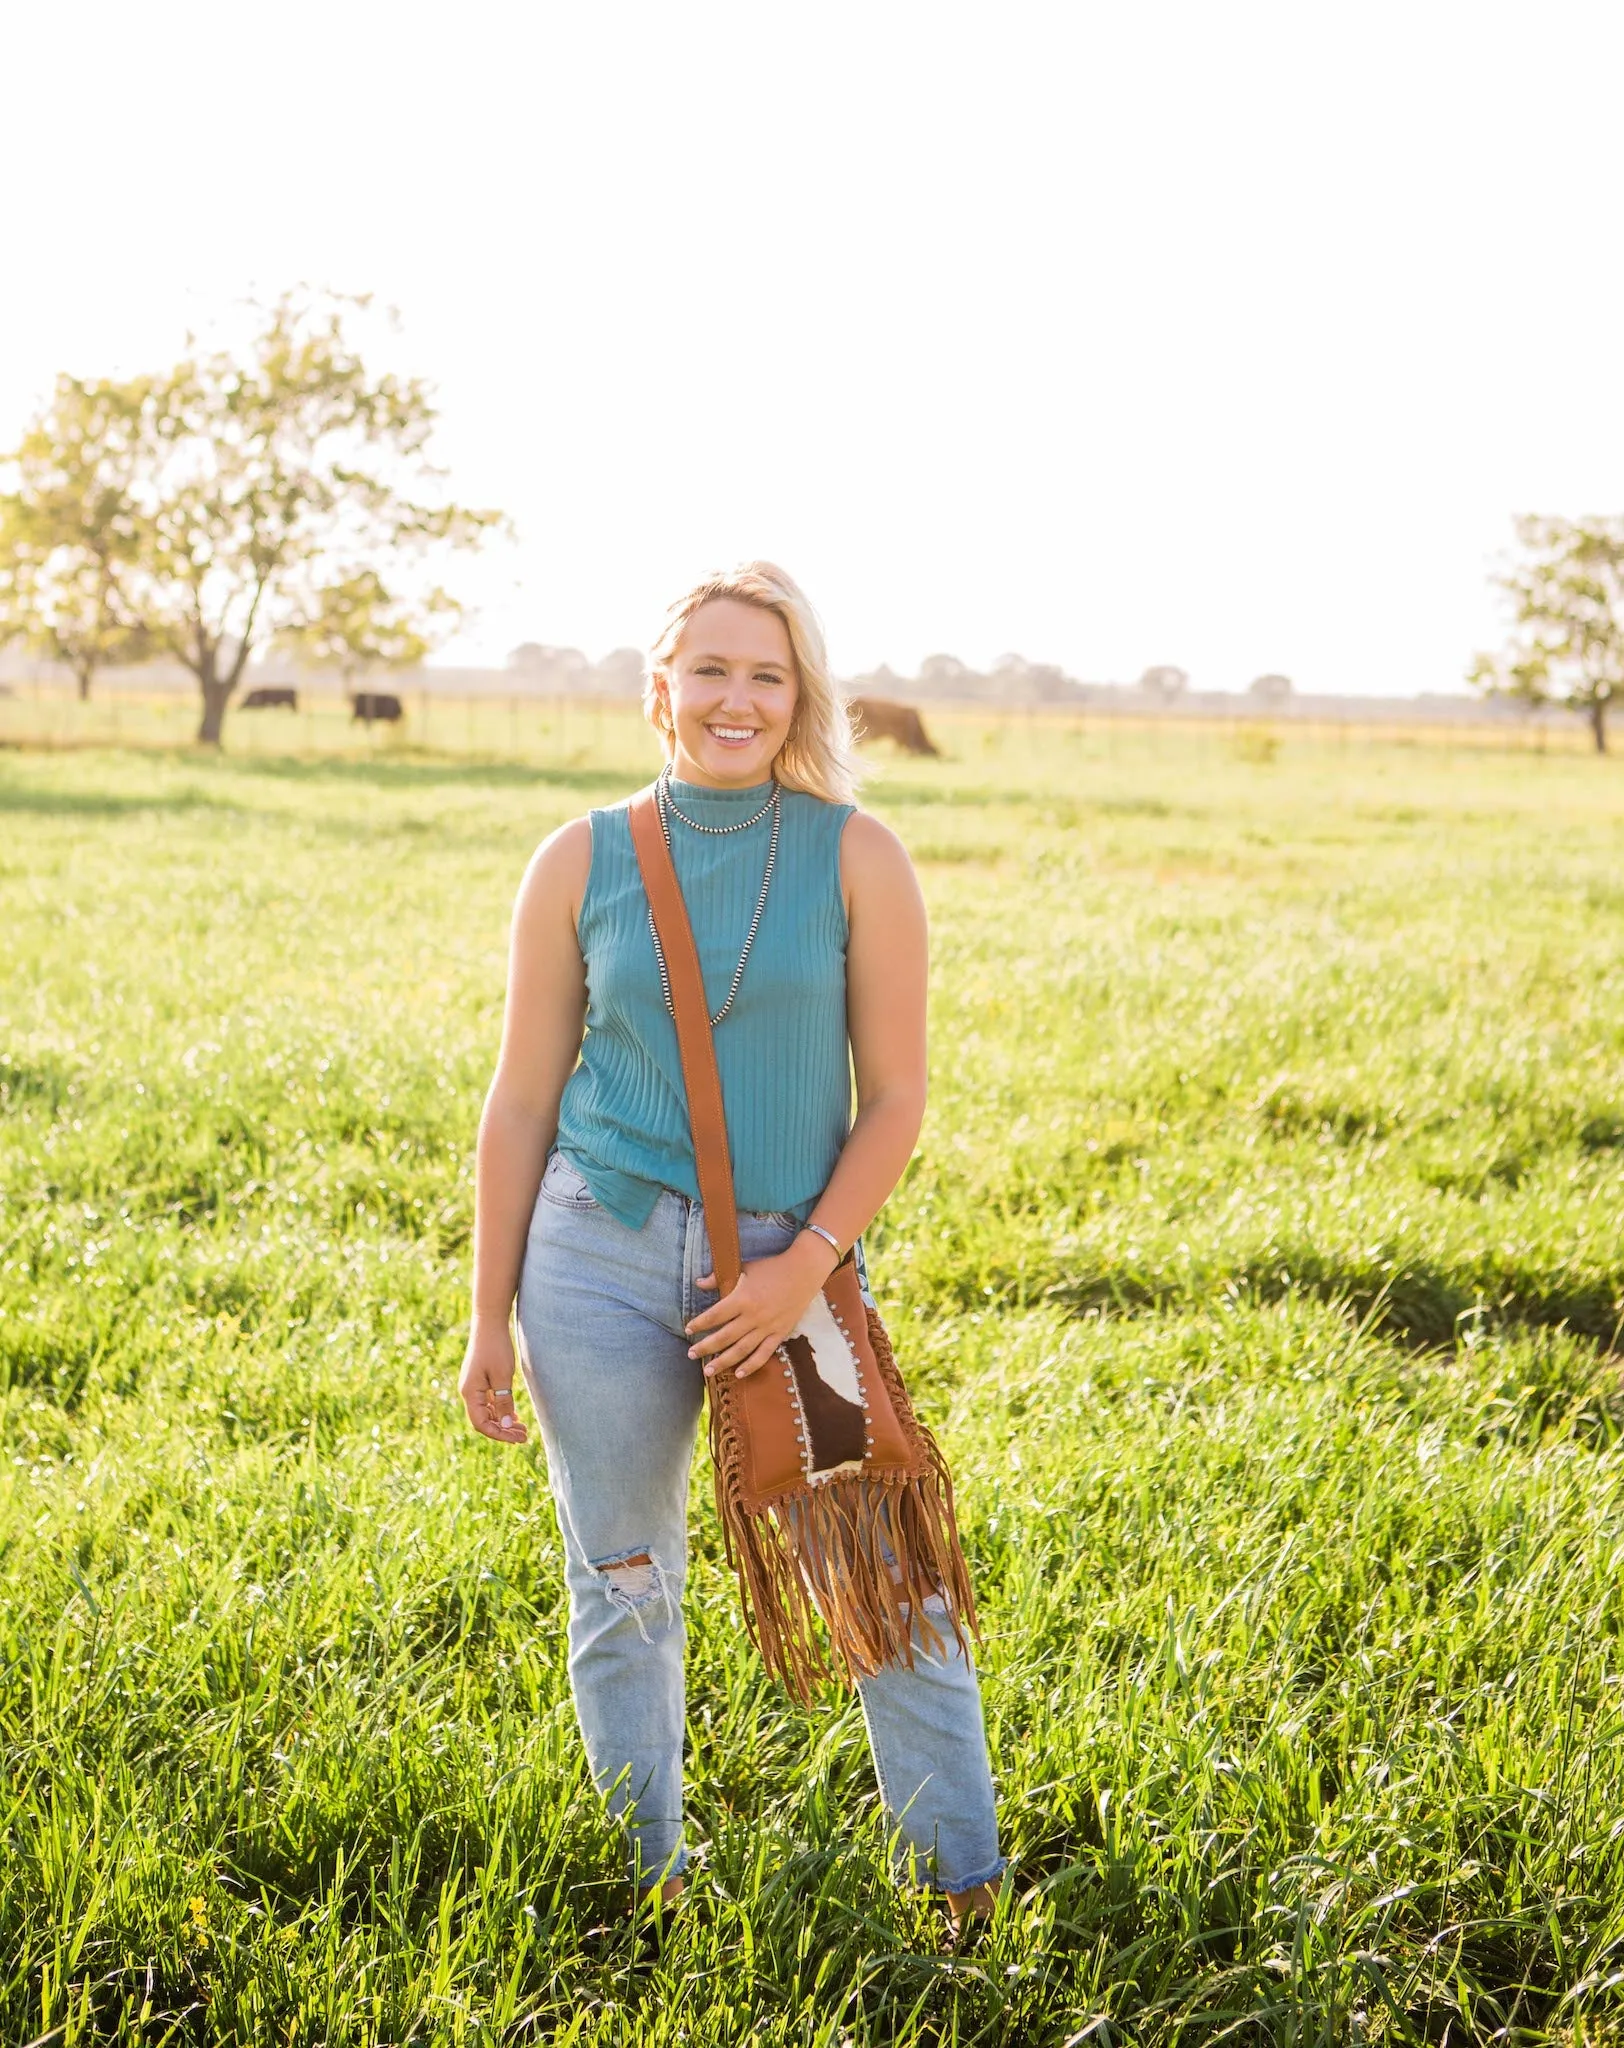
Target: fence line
<point x="572" y="731"/>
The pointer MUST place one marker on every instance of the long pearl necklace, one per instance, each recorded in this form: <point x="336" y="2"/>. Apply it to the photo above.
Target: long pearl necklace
<point x="668" y="810"/>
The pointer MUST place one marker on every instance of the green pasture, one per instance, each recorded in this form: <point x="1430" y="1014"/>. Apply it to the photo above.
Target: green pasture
<point x="1262" y="1266"/>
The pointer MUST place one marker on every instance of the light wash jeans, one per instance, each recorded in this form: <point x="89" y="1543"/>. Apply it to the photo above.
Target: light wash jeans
<point x="601" y="1315"/>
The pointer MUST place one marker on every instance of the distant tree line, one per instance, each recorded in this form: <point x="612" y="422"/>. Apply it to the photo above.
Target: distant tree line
<point x="567" y="672"/>
<point x="1012" y="679"/>
<point x="278" y="495"/>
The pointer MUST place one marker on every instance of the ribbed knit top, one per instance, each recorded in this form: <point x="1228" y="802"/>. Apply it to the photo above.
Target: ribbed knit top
<point x="782" y="1049"/>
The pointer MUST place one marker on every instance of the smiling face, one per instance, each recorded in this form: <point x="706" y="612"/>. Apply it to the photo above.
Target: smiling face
<point x="731" y="691"/>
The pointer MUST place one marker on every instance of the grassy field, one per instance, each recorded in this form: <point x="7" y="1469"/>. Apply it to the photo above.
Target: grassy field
<point x="1262" y="1265"/>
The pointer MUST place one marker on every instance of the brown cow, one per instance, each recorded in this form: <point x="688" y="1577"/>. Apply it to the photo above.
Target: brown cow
<point x="882" y="718"/>
<point x="271" y="697"/>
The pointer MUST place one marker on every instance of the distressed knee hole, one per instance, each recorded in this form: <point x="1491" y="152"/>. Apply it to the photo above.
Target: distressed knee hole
<point x="634" y="1583"/>
<point x="636" y="1578"/>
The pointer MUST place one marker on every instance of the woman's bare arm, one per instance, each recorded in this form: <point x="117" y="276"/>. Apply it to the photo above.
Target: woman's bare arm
<point x="887" y="967"/>
<point x="541" y="1039"/>
<point x="887" y="962"/>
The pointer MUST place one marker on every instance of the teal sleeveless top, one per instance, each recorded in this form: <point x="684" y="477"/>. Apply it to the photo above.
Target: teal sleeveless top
<point x="782" y="1049"/>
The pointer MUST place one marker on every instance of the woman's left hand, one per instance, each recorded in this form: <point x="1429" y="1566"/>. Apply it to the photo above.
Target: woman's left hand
<point x="746" y="1327"/>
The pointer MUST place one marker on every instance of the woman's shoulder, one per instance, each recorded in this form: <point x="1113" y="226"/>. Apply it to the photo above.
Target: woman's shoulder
<point x="604" y="826"/>
<point x="877" y="878"/>
<point x="863" y="838"/>
<point x="558" y="871"/>
<point x="568" y="846"/>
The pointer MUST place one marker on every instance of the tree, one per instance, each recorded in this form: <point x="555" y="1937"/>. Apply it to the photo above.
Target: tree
<point x="1273" y="690"/>
<point x="620" y="672"/>
<point x="359" y="624"/>
<point x="1567" y="598"/>
<point x="944" y="675"/>
<point x="561" y="671"/>
<point x="942" y="671"/>
<point x="274" y="484"/>
<point x="1164" y="683"/>
<point x="68" y="532"/>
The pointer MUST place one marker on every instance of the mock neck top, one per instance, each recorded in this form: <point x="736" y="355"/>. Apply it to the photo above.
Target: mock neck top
<point x="782" y="1049"/>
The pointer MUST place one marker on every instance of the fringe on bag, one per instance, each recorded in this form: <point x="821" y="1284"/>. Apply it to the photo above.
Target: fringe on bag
<point x="861" y="1555"/>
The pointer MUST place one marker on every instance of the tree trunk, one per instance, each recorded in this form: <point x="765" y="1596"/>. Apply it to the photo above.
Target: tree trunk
<point x="216" y="696"/>
<point x="84" y="673"/>
<point x="1598" y="722"/>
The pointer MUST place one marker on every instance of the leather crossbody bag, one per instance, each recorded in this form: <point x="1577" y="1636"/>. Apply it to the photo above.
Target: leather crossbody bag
<point x="835" y="1502"/>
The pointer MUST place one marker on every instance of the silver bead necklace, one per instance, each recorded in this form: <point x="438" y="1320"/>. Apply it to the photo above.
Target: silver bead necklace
<point x="716" y="831"/>
<point x="667" y="805"/>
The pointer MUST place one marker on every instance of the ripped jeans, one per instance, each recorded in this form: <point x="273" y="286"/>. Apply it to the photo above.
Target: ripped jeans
<point x="601" y="1315"/>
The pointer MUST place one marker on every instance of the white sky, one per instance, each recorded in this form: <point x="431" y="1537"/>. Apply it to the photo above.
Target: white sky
<point x="1226" y="335"/>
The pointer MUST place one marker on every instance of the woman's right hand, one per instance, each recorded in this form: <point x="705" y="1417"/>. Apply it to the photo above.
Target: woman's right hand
<point x="486" y="1383"/>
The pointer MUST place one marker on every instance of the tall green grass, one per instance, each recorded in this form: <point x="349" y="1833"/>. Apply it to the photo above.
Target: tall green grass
<point x="1262" y="1264"/>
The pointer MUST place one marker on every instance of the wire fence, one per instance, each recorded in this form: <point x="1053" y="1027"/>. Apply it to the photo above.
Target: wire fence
<point x="561" y="732"/>
<point x="557" y="731"/>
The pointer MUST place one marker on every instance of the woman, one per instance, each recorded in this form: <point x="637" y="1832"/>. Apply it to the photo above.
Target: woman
<point x="587" y="1203"/>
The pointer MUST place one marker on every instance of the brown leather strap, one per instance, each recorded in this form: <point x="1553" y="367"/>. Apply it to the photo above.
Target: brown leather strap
<point x="695" y="1047"/>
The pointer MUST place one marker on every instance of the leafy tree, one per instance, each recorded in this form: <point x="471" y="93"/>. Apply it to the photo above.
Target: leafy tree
<point x="1567" y="596"/>
<point x="273" y="483"/>
<point x="1273" y="690"/>
<point x="561" y="670"/>
<point x="1162" y="684"/>
<point x="944" y="675"/>
<point x="358" y="624"/>
<point x="620" y="673"/>
<point x="942" y="669"/>
<point x="68" y="531"/>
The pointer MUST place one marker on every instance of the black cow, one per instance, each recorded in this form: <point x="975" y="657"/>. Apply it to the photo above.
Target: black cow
<point x="271" y="697"/>
<point x="380" y="705"/>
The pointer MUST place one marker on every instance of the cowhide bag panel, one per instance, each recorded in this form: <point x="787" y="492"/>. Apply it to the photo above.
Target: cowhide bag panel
<point x="822" y="1409"/>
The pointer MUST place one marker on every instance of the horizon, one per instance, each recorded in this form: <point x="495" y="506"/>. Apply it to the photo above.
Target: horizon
<point x="270" y="664"/>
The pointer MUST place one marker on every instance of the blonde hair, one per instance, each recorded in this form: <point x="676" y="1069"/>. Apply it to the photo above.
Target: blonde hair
<point x="819" y="756"/>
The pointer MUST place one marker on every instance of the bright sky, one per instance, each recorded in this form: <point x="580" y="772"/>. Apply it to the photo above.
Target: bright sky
<point x="1230" y="336"/>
